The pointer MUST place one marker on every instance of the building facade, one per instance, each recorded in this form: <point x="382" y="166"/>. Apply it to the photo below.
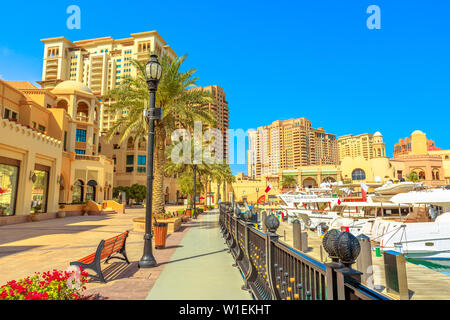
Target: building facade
<point x="48" y="149"/>
<point x="251" y="153"/>
<point x="291" y="144"/>
<point x="220" y="109"/>
<point x="366" y="145"/>
<point x="101" y="64"/>
<point x="419" y="155"/>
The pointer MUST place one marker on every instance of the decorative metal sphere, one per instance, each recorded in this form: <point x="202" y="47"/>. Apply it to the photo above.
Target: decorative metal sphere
<point x="348" y="248"/>
<point x="330" y="242"/>
<point x="153" y="70"/>
<point x="272" y="223"/>
<point x="247" y="215"/>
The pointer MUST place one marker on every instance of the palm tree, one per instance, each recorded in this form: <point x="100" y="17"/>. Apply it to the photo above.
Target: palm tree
<point x="228" y="179"/>
<point x="184" y="170"/>
<point x="181" y="108"/>
<point x="289" y="181"/>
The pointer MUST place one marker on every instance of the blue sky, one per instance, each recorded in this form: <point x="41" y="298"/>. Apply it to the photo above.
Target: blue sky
<point x="277" y="59"/>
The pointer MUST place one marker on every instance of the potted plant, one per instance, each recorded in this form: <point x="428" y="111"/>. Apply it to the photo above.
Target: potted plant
<point x="35" y="212"/>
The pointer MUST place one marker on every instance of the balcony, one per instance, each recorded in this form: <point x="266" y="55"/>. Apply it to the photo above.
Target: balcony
<point x="82" y="118"/>
<point x="85" y="157"/>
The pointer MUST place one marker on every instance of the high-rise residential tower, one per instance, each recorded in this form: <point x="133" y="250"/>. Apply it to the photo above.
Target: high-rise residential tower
<point x="291" y="144"/>
<point x="101" y="64"/>
<point x="220" y="109"/>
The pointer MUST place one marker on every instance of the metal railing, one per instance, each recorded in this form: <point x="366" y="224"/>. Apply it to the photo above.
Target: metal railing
<point x="275" y="271"/>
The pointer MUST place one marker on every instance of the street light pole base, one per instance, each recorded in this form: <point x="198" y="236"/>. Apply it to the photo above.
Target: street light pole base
<point x="147" y="262"/>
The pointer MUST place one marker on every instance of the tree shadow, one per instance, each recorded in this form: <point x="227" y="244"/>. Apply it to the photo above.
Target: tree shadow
<point x="118" y="270"/>
<point x="193" y="257"/>
<point x="8" y="250"/>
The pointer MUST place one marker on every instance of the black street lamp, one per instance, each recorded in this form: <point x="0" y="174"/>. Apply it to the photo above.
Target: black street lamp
<point x="195" y="190"/>
<point x="153" y="72"/>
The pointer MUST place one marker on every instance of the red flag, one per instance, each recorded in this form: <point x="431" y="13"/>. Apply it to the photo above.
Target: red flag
<point x="339" y="202"/>
<point x="329" y="204"/>
<point x="269" y="187"/>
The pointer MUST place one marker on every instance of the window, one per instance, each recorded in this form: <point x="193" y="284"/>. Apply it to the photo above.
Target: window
<point x="65" y="140"/>
<point x="130" y="169"/>
<point x="39" y="192"/>
<point x="141" y="169"/>
<point x="81" y="135"/>
<point x="78" y="191"/>
<point x="41" y="127"/>
<point x="116" y="147"/>
<point x="14" y="115"/>
<point x="130" y="159"/>
<point x="7" y="114"/>
<point x="358" y="174"/>
<point x="141" y="160"/>
<point x="78" y="151"/>
<point x="34" y="124"/>
<point x="9" y="174"/>
<point x="93" y="139"/>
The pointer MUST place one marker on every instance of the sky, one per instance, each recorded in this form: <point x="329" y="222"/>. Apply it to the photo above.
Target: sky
<point x="276" y="60"/>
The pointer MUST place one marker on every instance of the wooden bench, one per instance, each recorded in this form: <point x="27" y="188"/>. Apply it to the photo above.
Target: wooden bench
<point x="105" y="250"/>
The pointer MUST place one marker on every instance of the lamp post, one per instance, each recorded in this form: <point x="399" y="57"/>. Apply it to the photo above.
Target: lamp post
<point x="195" y="190"/>
<point x="153" y="72"/>
<point x="257" y="199"/>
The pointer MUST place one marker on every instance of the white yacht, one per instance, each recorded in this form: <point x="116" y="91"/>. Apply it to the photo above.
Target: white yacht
<point x="391" y="188"/>
<point x="424" y="233"/>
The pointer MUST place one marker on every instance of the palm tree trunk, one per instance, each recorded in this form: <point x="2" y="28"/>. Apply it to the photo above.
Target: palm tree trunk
<point x="224" y="191"/>
<point x="158" y="182"/>
<point x="218" y="194"/>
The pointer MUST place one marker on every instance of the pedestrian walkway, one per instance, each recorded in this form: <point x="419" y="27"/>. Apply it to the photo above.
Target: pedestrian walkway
<point x="200" y="268"/>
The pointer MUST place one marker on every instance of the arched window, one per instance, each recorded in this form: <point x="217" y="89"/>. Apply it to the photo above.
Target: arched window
<point x="78" y="192"/>
<point x="358" y="174"/>
<point x="83" y="112"/>
<point x="90" y="190"/>
<point x="130" y="143"/>
<point x="422" y="175"/>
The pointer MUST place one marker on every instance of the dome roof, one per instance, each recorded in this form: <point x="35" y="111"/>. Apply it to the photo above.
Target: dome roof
<point x="378" y="134"/>
<point x="417" y="132"/>
<point x="73" y="85"/>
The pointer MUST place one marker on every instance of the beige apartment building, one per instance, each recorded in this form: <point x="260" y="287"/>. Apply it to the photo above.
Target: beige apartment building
<point x="49" y="150"/>
<point x="289" y="145"/>
<point x="100" y="64"/>
<point x="366" y="145"/>
<point x="220" y="109"/>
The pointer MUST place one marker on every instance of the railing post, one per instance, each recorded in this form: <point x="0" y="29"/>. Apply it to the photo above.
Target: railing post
<point x="264" y="217"/>
<point x="246" y="252"/>
<point x="271" y="224"/>
<point x="364" y="261"/>
<point x="342" y="293"/>
<point x="331" y="276"/>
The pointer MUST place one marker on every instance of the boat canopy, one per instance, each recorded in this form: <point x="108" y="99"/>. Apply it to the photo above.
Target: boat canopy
<point x="383" y="205"/>
<point x="437" y="197"/>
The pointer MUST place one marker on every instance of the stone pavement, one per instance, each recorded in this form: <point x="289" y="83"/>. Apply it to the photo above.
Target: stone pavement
<point x="201" y="268"/>
<point x="197" y="267"/>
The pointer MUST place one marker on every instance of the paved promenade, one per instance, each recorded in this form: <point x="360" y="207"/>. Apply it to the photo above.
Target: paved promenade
<point x="194" y="265"/>
<point x="201" y="268"/>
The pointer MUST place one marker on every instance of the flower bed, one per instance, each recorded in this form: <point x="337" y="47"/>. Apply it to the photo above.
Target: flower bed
<point x="51" y="285"/>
